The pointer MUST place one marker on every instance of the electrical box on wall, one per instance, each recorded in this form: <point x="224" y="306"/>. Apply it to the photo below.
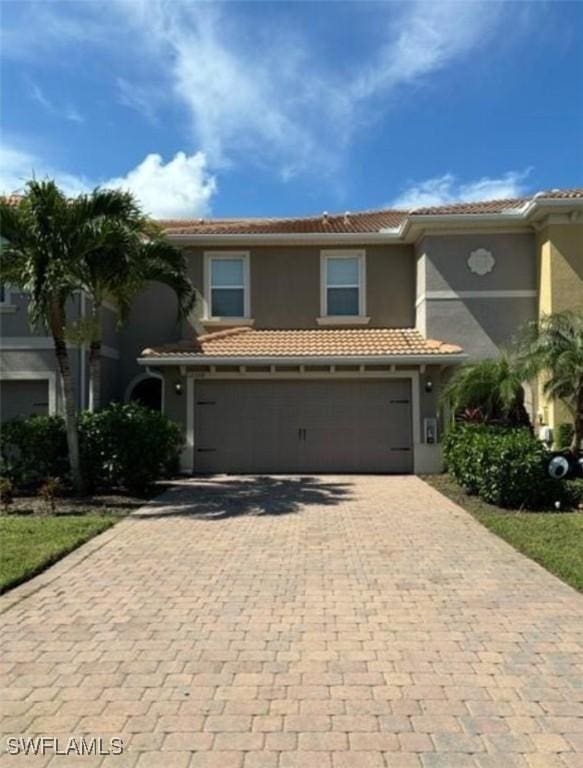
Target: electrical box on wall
<point x="430" y="430"/>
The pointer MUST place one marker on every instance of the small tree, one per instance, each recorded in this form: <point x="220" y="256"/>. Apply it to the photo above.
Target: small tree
<point x="489" y="391"/>
<point x="133" y="253"/>
<point x="46" y="237"/>
<point x="552" y="347"/>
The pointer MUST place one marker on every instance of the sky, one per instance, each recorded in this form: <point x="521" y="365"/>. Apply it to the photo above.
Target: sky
<point x="292" y="108"/>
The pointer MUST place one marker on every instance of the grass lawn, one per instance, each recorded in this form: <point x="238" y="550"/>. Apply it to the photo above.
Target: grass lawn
<point x="555" y="540"/>
<point x="28" y="545"/>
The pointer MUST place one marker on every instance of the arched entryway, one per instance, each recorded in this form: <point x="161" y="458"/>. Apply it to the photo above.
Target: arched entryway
<point x="146" y="389"/>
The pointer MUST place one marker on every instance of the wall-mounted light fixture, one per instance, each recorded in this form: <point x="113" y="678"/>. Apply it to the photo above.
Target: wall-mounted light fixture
<point x="178" y="387"/>
<point x="428" y="386"/>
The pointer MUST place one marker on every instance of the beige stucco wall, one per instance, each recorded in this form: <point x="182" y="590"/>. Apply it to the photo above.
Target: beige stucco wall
<point x="560" y="267"/>
<point x="285" y="284"/>
<point x="560" y="287"/>
<point x="481" y="313"/>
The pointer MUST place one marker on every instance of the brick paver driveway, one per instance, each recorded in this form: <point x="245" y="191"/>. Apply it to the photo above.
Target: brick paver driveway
<point x="332" y="621"/>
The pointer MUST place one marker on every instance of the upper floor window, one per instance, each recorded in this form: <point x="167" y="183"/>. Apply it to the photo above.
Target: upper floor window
<point x="343" y="278"/>
<point x="227" y="285"/>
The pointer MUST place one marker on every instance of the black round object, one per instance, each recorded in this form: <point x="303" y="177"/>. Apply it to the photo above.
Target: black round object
<point x="563" y="465"/>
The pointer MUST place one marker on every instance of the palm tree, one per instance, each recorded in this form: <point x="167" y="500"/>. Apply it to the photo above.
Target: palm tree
<point x="489" y="391"/>
<point x="45" y="236"/>
<point x="552" y="347"/>
<point x="132" y="254"/>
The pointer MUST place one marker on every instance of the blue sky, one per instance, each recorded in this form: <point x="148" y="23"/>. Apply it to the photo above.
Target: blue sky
<point x="272" y="109"/>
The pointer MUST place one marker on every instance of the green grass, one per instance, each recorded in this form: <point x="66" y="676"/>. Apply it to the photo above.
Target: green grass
<point x="28" y="545"/>
<point x="555" y="540"/>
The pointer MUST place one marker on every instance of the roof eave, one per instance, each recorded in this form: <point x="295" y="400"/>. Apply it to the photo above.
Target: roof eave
<point x="540" y="206"/>
<point x="282" y="239"/>
<point x="452" y="358"/>
<point x="412" y="225"/>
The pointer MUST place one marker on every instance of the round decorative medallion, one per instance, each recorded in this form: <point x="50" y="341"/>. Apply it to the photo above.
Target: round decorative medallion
<point x="481" y="262"/>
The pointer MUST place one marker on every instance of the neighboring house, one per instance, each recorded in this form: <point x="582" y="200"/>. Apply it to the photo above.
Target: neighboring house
<point x="321" y="344"/>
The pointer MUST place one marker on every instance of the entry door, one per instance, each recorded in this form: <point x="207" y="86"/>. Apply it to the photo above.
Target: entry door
<point x="303" y="426"/>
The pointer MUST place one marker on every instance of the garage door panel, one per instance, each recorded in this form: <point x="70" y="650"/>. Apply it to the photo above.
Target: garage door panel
<point x="303" y="426"/>
<point x="23" y="397"/>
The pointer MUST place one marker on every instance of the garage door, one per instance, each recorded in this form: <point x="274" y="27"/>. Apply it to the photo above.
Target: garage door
<point x="23" y="398"/>
<point x="303" y="426"/>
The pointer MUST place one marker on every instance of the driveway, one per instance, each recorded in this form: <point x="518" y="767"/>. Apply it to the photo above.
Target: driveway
<point x="345" y="622"/>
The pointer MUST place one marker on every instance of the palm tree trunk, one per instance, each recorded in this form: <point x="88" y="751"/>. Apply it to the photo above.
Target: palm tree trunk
<point x="578" y="424"/>
<point x="95" y="359"/>
<point x="57" y="329"/>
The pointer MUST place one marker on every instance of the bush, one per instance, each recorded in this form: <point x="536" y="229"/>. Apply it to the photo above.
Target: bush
<point x="504" y="466"/>
<point x="33" y="449"/>
<point x="575" y="490"/>
<point x="129" y="446"/>
<point x="126" y="446"/>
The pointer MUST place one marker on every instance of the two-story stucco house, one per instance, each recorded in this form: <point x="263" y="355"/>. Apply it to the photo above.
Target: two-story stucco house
<point x="321" y="344"/>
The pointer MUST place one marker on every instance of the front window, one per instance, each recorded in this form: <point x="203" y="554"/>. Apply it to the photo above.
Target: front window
<point x="343" y="285"/>
<point x="228" y="286"/>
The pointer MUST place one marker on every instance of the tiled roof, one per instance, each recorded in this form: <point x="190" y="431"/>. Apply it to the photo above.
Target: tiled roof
<point x="366" y="222"/>
<point x="499" y="206"/>
<point x="485" y="206"/>
<point x="336" y="342"/>
<point x="576" y="193"/>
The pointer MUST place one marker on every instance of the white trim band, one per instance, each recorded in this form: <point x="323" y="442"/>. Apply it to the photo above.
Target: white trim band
<point x="450" y="295"/>
<point x="46" y="342"/>
<point x="183" y="360"/>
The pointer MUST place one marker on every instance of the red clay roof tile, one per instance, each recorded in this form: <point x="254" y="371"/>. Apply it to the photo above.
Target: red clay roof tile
<point x="337" y="342"/>
<point x="365" y="222"/>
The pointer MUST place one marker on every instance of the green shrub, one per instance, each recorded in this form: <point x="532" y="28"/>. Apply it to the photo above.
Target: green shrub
<point x="129" y="446"/>
<point x="33" y="449"/>
<point x="565" y="435"/>
<point x="126" y="446"/>
<point x="575" y="490"/>
<point x="504" y="466"/>
<point x="464" y="451"/>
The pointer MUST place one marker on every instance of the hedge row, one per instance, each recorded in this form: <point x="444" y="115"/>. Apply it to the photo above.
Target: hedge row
<point x="504" y="466"/>
<point x="125" y="446"/>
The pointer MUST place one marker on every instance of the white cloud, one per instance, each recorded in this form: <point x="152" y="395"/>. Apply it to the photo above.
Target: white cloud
<point x="448" y="188"/>
<point x="139" y="99"/>
<point x="37" y="95"/>
<point x="258" y="87"/>
<point x="72" y="113"/>
<point x="243" y="101"/>
<point x="69" y="112"/>
<point x="181" y="188"/>
<point x="424" y="39"/>
<point x="17" y="166"/>
<point x="270" y="97"/>
<point x="267" y="94"/>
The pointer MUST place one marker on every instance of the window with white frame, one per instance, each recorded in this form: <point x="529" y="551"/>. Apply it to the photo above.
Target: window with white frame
<point x="343" y="283"/>
<point x="228" y="285"/>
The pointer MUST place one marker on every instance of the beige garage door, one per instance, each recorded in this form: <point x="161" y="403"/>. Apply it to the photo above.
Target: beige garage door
<point x="23" y="398"/>
<point x="303" y="426"/>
